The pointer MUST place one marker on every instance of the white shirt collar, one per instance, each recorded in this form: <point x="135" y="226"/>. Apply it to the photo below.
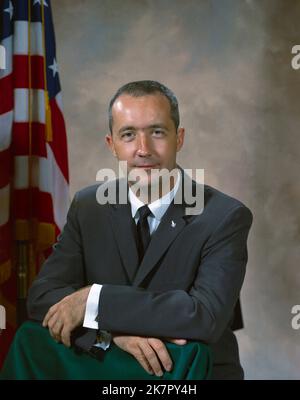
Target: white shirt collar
<point x="157" y="207"/>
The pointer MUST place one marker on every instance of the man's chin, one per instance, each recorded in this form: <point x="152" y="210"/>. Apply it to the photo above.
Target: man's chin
<point x="143" y="178"/>
<point x="142" y="181"/>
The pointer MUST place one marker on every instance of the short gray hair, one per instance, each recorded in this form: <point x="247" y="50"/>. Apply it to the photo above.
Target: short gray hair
<point x="144" y="88"/>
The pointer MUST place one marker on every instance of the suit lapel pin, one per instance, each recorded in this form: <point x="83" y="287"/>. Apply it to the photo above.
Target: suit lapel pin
<point x="173" y="224"/>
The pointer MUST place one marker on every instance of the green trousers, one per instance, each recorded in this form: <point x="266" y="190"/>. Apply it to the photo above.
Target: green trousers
<point x="35" y="355"/>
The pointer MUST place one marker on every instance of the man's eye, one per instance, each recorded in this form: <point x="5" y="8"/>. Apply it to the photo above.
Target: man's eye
<point x="127" y="135"/>
<point x="158" y="132"/>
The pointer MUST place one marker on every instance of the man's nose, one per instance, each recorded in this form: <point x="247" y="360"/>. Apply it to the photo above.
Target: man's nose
<point x="144" y="145"/>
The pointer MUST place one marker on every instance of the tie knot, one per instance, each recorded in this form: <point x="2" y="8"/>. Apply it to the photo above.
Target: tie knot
<point x="144" y="212"/>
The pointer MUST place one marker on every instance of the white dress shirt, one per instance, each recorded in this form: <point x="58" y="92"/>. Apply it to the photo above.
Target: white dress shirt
<point x="158" y="209"/>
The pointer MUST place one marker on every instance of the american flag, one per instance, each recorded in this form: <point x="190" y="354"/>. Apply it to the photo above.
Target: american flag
<point x="34" y="177"/>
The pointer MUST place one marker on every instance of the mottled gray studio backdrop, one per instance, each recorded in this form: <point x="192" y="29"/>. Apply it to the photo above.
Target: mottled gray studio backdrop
<point x="229" y="62"/>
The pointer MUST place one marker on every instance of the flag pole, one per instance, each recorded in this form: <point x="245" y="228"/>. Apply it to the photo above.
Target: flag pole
<point x="24" y="236"/>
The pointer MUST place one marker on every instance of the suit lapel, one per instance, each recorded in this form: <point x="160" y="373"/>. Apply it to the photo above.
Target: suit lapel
<point x="169" y="228"/>
<point x="124" y="231"/>
<point x="172" y="223"/>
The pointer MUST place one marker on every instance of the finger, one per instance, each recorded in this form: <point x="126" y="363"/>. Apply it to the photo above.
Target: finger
<point x="162" y="352"/>
<point x="56" y="329"/>
<point x="54" y="322"/>
<point x="144" y="363"/>
<point x="53" y="335"/>
<point x="55" y="325"/>
<point x="48" y="316"/>
<point x="45" y="320"/>
<point x="52" y="310"/>
<point x="130" y="345"/>
<point x="151" y="357"/>
<point x="65" y="335"/>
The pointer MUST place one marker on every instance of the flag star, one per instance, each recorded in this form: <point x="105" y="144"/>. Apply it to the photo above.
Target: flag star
<point x="10" y="10"/>
<point x="39" y="2"/>
<point x="54" y="67"/>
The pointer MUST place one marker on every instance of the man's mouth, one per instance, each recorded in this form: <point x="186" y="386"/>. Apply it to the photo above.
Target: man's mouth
<point x="147" y="166"/>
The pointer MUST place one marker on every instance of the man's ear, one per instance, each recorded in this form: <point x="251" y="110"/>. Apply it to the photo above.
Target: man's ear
<point x="110" y="143"/>
<point x="180" y="138"/>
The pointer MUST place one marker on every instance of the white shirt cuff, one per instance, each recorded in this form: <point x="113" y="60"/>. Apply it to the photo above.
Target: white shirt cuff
<point x="92" y="307"/>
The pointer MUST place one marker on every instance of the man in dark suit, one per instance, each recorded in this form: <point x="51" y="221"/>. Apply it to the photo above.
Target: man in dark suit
<point x="147" y="274"/>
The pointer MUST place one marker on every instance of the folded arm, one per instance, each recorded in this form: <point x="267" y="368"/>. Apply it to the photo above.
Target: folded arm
<point x="200" y="314"/>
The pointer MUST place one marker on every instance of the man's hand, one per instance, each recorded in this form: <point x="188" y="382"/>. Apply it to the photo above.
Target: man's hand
<point x="149" y="352"/>
<point x="64" y="316"/>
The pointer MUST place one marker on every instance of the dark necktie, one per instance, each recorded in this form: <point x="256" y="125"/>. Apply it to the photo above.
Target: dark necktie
<point x="143" y="231"/>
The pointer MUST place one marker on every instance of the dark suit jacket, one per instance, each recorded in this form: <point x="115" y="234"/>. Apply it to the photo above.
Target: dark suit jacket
<point x="186" y="286"/>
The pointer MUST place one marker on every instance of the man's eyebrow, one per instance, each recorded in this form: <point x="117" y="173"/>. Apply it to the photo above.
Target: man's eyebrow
<point x="153" y="126"/>
<point x="134" y="128"/>
<point x="127" y="128"/>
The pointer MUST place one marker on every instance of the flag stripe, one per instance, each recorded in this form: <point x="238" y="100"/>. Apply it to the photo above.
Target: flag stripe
<point x="21" y="72"/>
<point x="6" y="120"/>
<point x="6" y="91"/>
<point x="59" y="190"/>
<point x="21" y="97"/>
<point x="47" y="177"/>
<point x="5" y="241"/>
<point x="33" y="203"/>
<point x="21" y="38"/>
<point x="59" y="142"/>
<point x="6" y="167"/>
<point x="21" y="178"/>
<point x="4" y="204"/>
<point x="21" y="139"/>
